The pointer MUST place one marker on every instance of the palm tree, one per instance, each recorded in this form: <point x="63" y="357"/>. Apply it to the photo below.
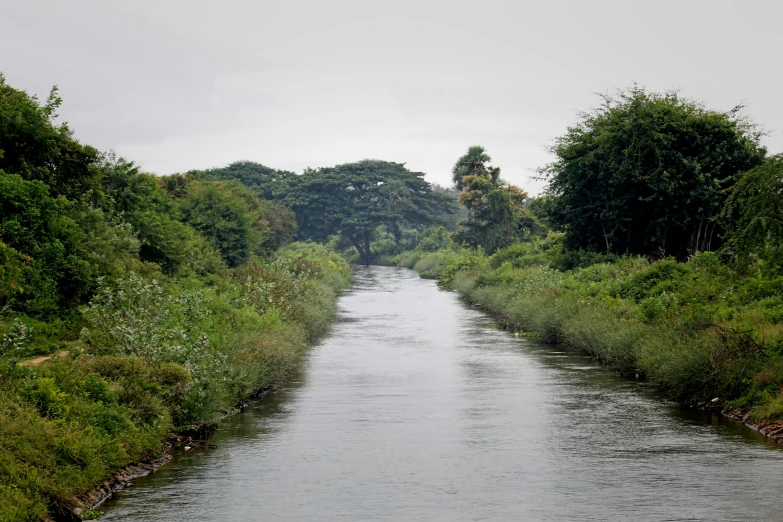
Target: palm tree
<point x="471" y="164"/>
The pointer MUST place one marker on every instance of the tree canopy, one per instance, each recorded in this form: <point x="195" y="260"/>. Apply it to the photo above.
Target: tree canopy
<point x="354" y="199"/>
<point x="73" y="217"/>
<point x="268" y="183"/>
<point x="753" y="214"/>
<point x="496" y="214"/>
<point x="647" y="173"/>
<point x="35" y="148"/>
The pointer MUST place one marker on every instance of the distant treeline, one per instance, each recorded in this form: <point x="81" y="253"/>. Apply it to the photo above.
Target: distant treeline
<point x="351" y="203"/>
<point x="648" y="174"/>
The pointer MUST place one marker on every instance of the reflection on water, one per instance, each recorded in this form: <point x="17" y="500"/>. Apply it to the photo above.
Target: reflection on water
<point x="414" y="409"/>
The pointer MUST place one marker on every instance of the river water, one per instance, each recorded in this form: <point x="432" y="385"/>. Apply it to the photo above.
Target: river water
<point x="416" y="408"/>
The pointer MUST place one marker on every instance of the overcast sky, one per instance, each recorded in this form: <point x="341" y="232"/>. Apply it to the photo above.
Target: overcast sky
<point x="191" y="85"/>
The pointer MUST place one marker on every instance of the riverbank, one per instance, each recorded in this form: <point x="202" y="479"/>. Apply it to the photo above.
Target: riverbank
<point x="770" y="429"/>
<point x="155" y="359"/>
<point x="117" y="481"/>
<point x="187" y="441"/>
<point x="417" y="405"/>
<point x="703" y="332"/>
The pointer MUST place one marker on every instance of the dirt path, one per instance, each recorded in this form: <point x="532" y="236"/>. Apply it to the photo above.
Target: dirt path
<point x="39" y="360"/>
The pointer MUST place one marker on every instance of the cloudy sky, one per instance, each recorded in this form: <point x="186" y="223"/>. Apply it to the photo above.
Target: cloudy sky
<point x="178" y="85"/>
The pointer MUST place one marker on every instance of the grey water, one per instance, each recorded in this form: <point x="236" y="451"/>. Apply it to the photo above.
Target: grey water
<point x="416" y="408"/>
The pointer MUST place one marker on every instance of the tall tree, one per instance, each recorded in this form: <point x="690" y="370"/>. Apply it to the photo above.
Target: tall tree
<point x="647" y="173"/>
<point x="268" y="183"/>
<point x="496" y="213"/>
<point x="353" y="199"/>
<point x="34" y="147"/>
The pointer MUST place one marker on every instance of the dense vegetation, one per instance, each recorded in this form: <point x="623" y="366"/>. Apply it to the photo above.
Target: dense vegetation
<point x="163" y="302"/>
<point x="496" y="214"/>
<point x="648" y="173"/>
<point x="354" y="203"/>
<point x="657" y="248"/>
<point x="701" y="330"/>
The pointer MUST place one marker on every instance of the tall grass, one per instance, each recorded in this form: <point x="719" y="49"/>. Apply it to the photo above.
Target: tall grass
<point x="697" y="329"/>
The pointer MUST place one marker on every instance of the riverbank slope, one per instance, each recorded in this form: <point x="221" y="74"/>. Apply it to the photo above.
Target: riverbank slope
<point x="155" y="359"/>
<point x="706" y="334"/>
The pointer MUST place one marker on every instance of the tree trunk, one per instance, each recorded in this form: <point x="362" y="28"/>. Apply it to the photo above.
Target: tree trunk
<point x="606" y="237"/>
<point x="358" y="247"/>
<point x="367" y="251"/>
<point x="709" y="241"/>
<point x="397" y="234"/>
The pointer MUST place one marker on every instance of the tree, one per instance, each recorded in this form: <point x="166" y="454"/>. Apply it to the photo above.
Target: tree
<point x="53" y="271"/>
<point x="753" y="214"/>
<point x="434" y="239"/>
<point x="221" y="218"/>
<point x="474" y="165"/>
<point x="354" y="199"/>
<point x="496" y="213"/>
<point x="267" y="183"/>
<point x="234" y="219"/>
<point x="449" y="216"/>
<point x="127" y="189"/>
<point x="32" y="146"/>
<point x="139" y="199"/>
<point x="647" y="173"/>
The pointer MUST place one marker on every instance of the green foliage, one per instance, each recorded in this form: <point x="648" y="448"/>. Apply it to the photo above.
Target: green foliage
<point x="431" y="265"/>
<point x="136" y="317"/>
<point x="655" y="280"/>
<point x="32" y="146"/>
<point x="648" y="173"/>
<point x="354" y="199"/>
<point x="64" y="428"/>
<point x="372" y="206"/>
<point x="752" y="214"/>
<point x="14" y="342"/>
<point x="48" y="269"/>
<point x="573" y="259"/>
<point x="185" y="292"/>
<point x="267" y="183"/>
<point x="387" y="244"/>
<point x="496" y="214"/>
<point x="222" y="219"/>
<point x="700" y="329"/>
<point x="434" y="239"/>
<point x="235" y="220"/>
<point x="110" y="246"/>
<point x="170" y="243"/>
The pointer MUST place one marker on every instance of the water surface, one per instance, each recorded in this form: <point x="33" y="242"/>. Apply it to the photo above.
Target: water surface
<point x="416" y="408"/>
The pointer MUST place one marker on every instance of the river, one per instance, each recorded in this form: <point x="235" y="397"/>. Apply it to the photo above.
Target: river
<point x="417" y="408"/>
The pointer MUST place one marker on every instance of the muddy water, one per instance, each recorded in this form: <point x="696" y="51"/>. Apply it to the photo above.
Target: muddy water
<point x="416" y="408"/>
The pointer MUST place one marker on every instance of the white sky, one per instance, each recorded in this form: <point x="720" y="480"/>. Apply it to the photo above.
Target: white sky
<point x="291" y="84"/>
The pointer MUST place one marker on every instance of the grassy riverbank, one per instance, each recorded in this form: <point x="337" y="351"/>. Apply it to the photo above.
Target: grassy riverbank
<point x="699" y="329"/>
<point x="154" y="359"/>
<point x="132" y="307"/>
